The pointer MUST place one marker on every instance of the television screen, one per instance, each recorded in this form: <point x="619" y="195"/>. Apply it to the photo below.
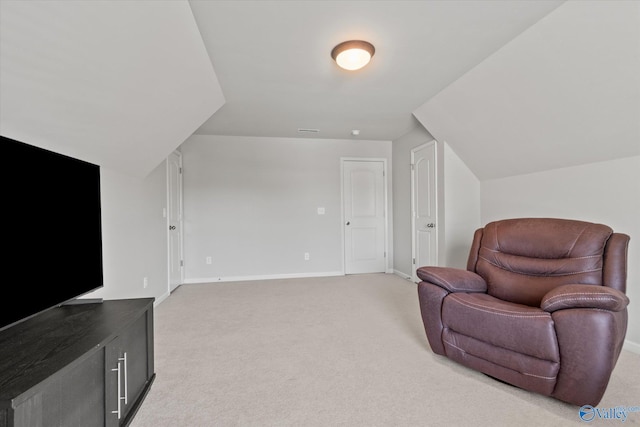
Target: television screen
<point x="52" y="230"/>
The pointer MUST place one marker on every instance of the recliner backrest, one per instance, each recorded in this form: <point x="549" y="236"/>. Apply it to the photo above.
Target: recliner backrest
<point x="522" y="259"/>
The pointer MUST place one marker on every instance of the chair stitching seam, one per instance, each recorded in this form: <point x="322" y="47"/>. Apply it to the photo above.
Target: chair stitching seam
<point x="538" y="376"/>
<point x="576" y="257"/>
<point x="523" y="373"/>
<point x="576" y="240"/>
<point x="500" y="311"/>
<point x="447" y="282"/>
<point x="605" y="298"/>
<point x="541" y="275"/>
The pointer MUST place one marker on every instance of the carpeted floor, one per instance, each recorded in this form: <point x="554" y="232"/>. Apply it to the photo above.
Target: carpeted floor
<point x="339" y="351"/>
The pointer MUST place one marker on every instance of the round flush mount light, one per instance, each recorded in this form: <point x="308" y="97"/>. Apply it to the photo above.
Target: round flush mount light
<point x="353" y="54"/>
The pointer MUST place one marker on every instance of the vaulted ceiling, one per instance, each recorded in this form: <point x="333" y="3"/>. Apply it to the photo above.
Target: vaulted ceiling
<point x="565" y="92"/>
<point x="273" y="61"/>
<point x="512" y="86"/>
<point x="116" y="83"/>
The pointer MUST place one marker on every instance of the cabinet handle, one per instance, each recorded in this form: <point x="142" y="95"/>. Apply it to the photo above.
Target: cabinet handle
<point x="126" y="390"/>
<point x="119" y="411"/>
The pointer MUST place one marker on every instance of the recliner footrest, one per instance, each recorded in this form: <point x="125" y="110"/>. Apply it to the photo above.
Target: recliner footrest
<point x="515" y="368"/>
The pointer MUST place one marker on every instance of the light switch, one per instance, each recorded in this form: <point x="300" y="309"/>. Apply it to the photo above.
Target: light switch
<point x="320" y="211"/>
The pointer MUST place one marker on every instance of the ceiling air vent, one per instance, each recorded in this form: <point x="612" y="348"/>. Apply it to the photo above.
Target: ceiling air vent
<point x="301" y="130"/>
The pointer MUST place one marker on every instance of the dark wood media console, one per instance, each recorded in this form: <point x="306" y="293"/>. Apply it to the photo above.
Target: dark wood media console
<point x="77" y="365"/>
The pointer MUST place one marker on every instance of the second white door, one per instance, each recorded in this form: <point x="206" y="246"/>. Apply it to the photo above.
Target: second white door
<point x="424" y="207"/>
<point x="174" y="219"/>
<point x="364" y="216"/>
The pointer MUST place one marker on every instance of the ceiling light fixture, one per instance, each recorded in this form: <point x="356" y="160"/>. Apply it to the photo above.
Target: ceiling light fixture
<point x="353" y="54"/>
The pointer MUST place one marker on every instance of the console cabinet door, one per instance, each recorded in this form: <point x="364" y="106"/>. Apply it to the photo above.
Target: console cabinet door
<point x="113" y="388"/>
<point x="135" y="350"/>
<point x="73" y="399"/>
<point x="127" y="371"/>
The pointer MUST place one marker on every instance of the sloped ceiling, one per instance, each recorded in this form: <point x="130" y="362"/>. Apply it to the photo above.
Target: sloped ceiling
<point x="123" y="83"/>
<point x="273" y="60"/>
<point x="565" y="92"/>
<point x="117" y="83"/>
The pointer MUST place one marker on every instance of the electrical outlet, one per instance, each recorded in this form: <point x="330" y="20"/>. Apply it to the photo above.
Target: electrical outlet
<point x="306" y="256"/>
<point x="208" y="260"/>
<point x="145" y="283"/>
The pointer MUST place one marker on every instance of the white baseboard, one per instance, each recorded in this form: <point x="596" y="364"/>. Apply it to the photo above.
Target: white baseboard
<point x="631" y="346"/>
<point x="403" y="275"/>
<point x="160" y="299"/>
<point x="261" y="277"/>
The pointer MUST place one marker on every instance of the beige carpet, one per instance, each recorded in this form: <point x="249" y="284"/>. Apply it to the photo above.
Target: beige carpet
<point x="342" y="351"/>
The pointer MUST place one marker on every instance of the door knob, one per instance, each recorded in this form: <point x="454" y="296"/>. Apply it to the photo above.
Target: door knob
<point x="172" y="227"/>
<point x="431" y="225"/>
<point x="348" y="222"/>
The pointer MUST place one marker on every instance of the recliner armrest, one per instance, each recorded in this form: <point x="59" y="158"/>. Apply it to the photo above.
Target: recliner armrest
<point x="453" y="279"/>
<point x="584" y="296"/>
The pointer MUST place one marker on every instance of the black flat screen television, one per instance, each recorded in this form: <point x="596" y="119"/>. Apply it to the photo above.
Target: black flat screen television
<point x="52" y="230"/>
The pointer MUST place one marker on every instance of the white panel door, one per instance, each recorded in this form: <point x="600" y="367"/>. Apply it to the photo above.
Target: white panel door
<point x="174" y="219"/>
<point x="424" y="210"/>
<point x="364" y="216"/>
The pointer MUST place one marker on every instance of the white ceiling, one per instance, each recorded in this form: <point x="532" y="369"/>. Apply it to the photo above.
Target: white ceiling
<point x="272" y="59"/>
<point x="512" y="86"/>
<point x="117" y="83"/>
<point x="565" y="92"/>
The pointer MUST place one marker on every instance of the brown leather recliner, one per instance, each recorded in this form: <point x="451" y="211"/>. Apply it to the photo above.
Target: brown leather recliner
<point x="541" y="306"/>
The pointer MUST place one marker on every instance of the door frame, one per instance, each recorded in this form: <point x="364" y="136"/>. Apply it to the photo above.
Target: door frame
<point x="413" y="205"/>
<point x="385" y="180"/>
<point x="180" y="220"/>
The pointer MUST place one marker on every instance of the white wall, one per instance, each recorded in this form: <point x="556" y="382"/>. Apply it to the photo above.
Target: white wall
<point x="122" y="97"/>
<point x="134" y="235"/>
<point x="461" y="209"/>
<point x="251" y="204"/>
<point x="605" y="192"/>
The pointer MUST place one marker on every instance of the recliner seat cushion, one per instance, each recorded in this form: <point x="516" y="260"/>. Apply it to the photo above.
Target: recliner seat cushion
<point x="516" y="327"/>
<point x="510" y="341"/>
